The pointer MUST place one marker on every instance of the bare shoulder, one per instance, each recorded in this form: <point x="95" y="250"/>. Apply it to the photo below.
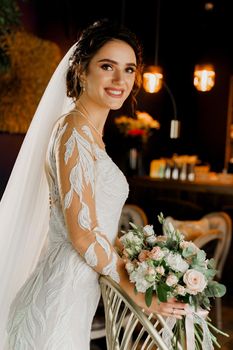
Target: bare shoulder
<point x="67" y="123"/>
<point x="70" y="119"/>
<point x="71" y="125"/>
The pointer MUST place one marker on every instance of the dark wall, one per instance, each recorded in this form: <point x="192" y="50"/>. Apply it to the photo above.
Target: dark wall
<point x="188" y="34"/>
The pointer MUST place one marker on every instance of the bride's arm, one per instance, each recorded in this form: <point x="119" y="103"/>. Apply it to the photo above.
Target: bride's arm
<point x="76" y="177"/>
<point x="118" y="245"/>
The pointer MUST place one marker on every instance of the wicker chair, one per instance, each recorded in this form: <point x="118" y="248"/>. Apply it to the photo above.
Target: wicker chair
<point x="127" y="326"/>
<point x="131" y="213"/>
<point x="135" y="214"/>
<point x="213" y="232"/>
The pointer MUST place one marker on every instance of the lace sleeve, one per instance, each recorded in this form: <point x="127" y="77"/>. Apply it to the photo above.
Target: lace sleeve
<point x="76" y="177"/>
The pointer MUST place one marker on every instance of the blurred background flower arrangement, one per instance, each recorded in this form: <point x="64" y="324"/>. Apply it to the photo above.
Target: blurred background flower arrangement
<point x="140" y="126"/>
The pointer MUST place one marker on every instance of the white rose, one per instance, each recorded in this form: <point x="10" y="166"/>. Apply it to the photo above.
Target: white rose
<point x="142" y="285"/>
<point x="129" y="267"/>
<point x="151" y="239"/>
<point x="138" y="276"/>
<point x="131" y="238"/>
<point x="176" y="262"/>
<point x="195" y="281"/>
<point x="180" y="290"/>
<point x="171" y="280"/>
<point x="148" y="230"/>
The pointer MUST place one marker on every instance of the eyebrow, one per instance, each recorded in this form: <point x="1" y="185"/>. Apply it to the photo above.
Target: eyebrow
<point x="114" y="62"/>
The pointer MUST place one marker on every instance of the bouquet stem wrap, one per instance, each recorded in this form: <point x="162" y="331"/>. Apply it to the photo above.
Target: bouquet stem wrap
<point x="192" y="318"/>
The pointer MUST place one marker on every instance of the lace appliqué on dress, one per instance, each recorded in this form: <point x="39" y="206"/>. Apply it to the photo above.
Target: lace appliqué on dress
<point x="82" y="175"/>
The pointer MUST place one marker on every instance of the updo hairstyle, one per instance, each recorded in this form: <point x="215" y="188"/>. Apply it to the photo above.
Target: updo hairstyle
<point x="90" y="41"/>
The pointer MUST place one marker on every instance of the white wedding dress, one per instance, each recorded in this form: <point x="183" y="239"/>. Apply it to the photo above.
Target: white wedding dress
<point x="55" y="307"/>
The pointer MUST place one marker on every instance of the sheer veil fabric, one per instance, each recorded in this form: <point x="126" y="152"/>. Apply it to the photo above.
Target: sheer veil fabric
<point x="24" y="208"/>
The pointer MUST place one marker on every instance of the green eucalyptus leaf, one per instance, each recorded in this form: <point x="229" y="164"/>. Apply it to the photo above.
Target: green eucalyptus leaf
<point x="215" y="289"/>
<point x="187" y="252"/>
<point x="148" y="296"/>
<point x="162" y="291"/>
<point x="212" y="264"/>
<point x="201" y="256"/>
<point x="206" y="302"/>
<point x="209" y="273"/>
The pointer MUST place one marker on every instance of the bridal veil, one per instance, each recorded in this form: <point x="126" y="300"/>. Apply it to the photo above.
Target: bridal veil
<point x="24" y="208"/>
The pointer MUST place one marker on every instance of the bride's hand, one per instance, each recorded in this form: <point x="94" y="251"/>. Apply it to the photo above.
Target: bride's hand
<point x="172" y="308"/>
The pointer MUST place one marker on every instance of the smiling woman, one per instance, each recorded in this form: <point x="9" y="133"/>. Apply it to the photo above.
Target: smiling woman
<point x="81" y="204"/>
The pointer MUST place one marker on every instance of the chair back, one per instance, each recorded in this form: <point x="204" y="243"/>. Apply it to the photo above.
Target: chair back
<point x="127" y="326"/>
<point x="131" y="213"/>
<point x="215" y="227"/>
<point x="221" y="227"/>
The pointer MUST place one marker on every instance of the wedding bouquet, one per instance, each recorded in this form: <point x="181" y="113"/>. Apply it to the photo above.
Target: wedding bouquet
<point x="172" y="267"/>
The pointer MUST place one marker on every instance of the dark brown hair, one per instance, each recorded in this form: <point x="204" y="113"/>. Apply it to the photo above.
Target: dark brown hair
<point x="90" y="41"/>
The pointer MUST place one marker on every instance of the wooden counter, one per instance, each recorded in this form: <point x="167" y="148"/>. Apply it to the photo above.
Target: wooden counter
<point x="183" y="199"/>
<point x="211" y="186"/>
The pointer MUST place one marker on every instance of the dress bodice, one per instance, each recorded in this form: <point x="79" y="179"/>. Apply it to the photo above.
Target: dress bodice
<point x="55" y="307"/>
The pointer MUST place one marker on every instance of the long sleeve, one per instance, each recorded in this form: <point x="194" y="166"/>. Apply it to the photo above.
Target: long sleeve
<point x="75" y="158"/>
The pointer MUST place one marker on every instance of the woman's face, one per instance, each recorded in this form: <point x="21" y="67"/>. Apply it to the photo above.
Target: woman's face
<point x="110" y="75"/>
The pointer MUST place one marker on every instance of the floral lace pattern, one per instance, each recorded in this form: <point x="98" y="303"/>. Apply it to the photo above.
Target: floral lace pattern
<point x="55" y="307"/>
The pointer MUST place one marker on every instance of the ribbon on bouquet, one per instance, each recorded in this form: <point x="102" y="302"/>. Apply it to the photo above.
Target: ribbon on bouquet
<point x="191" y="318"/>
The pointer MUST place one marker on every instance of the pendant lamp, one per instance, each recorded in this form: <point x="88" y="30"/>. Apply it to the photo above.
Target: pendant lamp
<point x="153" y="74"/>
<point x="204" y="77"/>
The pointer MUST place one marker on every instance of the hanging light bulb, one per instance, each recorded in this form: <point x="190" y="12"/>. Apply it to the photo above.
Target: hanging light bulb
<point x="153" y="75"/>
<point x="153" y="79"/>
<point x="204" y="77"/>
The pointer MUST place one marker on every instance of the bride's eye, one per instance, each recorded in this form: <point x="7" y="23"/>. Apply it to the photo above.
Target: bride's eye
<point x="106" y="66"/>
<point x="130" y="70"/>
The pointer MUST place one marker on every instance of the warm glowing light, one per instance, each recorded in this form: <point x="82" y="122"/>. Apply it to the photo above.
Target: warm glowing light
<point x="153" y="79"/>
<point x="204" y="77"/>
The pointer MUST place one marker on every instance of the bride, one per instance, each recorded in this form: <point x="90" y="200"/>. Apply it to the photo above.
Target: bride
<point x="65" y="195"/>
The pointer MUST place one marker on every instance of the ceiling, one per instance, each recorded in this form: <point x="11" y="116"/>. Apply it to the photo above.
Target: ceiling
<point x="186" y="28"/>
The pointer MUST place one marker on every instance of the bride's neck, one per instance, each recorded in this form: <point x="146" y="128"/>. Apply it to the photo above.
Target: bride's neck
<point x="93" y="112"/>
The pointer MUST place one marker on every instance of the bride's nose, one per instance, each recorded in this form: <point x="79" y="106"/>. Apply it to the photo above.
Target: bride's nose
<point x="118" y="77"/>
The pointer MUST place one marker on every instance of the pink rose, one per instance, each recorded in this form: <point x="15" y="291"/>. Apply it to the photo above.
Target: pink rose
<point x="195" y="281"/>
<point x="156" y="254"/>
<point x="143" y="255"/>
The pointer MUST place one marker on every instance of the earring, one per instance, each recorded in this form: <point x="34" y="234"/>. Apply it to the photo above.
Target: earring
<point x="82" y="86"/>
